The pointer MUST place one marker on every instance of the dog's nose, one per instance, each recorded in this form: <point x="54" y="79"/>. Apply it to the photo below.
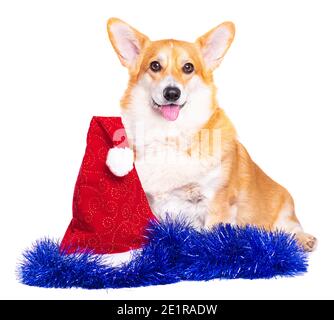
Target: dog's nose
<point x="172" y="93"/>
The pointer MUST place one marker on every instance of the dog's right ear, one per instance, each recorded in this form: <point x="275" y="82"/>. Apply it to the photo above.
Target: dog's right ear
<point x="127" y="42"/>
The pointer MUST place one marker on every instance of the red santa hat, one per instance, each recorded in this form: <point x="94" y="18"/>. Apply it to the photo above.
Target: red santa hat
<point x="110" y="208"/>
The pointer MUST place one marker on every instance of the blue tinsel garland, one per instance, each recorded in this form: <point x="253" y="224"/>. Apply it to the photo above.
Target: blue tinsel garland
<point x="174" y="252"/>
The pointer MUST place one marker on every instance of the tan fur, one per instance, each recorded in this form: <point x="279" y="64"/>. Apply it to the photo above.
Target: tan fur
<point x="257" y="198"/>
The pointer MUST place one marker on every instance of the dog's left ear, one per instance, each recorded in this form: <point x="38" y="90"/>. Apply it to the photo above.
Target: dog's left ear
<point x="127" y="42"/>
<point x="215" y="43"/>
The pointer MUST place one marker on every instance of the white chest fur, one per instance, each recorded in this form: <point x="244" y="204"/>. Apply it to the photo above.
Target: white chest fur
<point x="177" y="183"/>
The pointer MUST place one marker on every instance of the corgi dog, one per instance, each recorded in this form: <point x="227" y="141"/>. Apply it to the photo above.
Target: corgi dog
<point x="187" y="154"/>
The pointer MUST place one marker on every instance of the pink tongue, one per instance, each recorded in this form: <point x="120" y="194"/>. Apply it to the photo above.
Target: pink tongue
<point x="170" y="112"/>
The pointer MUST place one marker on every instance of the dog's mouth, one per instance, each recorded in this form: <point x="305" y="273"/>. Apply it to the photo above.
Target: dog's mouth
<point x="169" y="111"/>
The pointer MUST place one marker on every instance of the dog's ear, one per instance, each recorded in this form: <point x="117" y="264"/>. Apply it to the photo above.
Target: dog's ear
<point x="215" y="43"/>
<point x="127" y="42"/>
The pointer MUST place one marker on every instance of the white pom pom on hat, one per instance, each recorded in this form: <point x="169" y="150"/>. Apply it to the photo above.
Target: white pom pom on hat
<point x="120" y="161"/>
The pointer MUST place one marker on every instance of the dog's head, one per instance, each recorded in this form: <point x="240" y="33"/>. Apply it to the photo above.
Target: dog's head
<point x="172" y="79"/>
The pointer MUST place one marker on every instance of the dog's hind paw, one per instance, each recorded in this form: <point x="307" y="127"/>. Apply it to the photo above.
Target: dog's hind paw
<point x="307" y="241"/>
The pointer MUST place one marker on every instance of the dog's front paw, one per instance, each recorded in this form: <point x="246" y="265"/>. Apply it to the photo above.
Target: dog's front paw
<point x="120" y="161"/>
<point x="193" y="192"/>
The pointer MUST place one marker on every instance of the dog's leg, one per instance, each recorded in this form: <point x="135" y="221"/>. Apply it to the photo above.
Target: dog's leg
<point x="222" y="210"/>
<point x="287" y="221"/>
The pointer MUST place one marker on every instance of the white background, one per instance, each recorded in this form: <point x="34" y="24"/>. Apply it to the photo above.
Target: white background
<point x="57" y="70"/>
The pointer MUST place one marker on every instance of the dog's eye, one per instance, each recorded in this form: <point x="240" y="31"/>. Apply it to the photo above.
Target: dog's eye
<point x="155" y="66"/>
<point x="188" y="68"/>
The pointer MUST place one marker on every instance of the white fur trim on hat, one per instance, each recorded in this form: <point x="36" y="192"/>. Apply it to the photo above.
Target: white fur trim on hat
<point x="120" y="161"/>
